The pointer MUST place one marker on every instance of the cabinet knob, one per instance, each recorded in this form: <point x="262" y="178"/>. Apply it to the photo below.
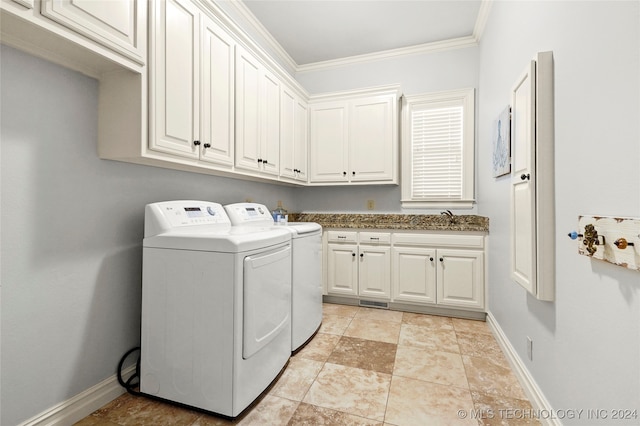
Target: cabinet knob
<point x="353" y="173"/>
<point x="441" y="259"/>
<point x="353" y="254"/>
<point x="525" y="177"/>
<point x="361" y="254"/>
<point x="196" y="143"/>
<point x="344" y="173"/>
<point x="431" y="259"/>
<point x="207" y="145"/>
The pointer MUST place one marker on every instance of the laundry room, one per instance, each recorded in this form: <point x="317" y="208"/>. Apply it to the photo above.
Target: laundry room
<point x="90" y="136"/>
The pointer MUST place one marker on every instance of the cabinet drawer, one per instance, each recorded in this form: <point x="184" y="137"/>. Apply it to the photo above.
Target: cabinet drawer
<point x="342" y="236"/>
<point x="375" y="238"/>
<point x="439" y="240"/>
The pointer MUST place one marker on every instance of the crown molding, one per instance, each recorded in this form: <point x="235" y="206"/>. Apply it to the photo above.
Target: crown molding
<point x="246" y="14"/>
<point x="438" y="46"/>
<point x="481" y="20"/>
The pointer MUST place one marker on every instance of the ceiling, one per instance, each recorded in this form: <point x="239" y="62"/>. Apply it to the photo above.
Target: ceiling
<point x="314" y="31"/>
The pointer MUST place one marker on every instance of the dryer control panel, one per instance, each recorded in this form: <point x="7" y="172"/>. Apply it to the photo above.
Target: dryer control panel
<point x="249" y="214"/>
<point x="164" y="216"/>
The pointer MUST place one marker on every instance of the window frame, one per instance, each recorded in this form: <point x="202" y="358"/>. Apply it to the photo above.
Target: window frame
<point x="466" y="98"/>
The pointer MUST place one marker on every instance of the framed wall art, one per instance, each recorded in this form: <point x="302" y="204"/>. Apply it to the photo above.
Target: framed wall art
<point x="502" y="144"/>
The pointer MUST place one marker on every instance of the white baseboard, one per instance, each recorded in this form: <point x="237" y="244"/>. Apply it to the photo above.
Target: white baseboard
<point x="80" y="406"/>
<point x="529" y="385"/>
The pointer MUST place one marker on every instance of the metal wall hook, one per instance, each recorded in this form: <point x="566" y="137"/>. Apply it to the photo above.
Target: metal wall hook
<point x="592" y="239"/>
<point x="622" y="243"/>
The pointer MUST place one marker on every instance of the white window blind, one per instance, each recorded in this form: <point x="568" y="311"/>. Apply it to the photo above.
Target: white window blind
<point x="437" y="157"/>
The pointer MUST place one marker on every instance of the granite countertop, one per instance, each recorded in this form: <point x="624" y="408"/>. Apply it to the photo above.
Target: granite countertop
<point x="423" y="222"/>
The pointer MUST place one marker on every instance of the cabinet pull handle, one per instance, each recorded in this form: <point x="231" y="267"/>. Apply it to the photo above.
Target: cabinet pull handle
<point x="342" y="236"/>
<point x="196" y="143"/>
<point x="207" y="145"/>
<point x="374" y="238"/>
<point x="259" y="160"/>
<point x="265" y="162"/>
<point x="525" y="177"/>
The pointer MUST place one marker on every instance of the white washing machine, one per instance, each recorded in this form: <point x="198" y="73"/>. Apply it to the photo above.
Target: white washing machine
<point x="216" y="307"/>
<point x="306" y="254"/>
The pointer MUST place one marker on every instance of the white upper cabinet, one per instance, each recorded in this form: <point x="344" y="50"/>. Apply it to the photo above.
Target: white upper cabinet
<point x="293" y="135"/>
<point x="116" y="24"/>
<point x="329" y="151"/>
<point x="191" y="86"/>
<point x="257" y="115"/>
<point x="354" y="137"/>
<point x="371" y="138"/>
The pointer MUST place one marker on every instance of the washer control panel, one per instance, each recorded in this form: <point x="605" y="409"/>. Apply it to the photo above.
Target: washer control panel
<point x="249" y="214"/>
<point x="163" y="216"/>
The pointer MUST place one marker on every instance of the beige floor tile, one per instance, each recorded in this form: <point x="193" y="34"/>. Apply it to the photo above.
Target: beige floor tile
<point x="297" y="378"/>
<point x="131" y="410"/>
<point x="380" y="331"/>
<point x="500" y="410"/>
<point x="95" y="421"/>
<point x="415" y="402"/>
<point x="470" y="326"/>
<point x="480" y="345"/>
<point x="445" y="368"/>
<point x="426" y="337"/>
<point x="431" y="321"/>
<point x="320" y="347"/>
<point x="271" y="410"/>
<point x="379" y="314"/>
<point x="365" y="354"/>
<point x="489" y="378"/>
<point x="311" y="415"/>
<point x="334" y="324"/>
<point x="340" y="310"/>
<point x="351" y="390"/>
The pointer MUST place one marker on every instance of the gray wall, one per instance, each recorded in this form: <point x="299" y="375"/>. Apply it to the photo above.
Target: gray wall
<point x="72" y="229"/>
<point x="587" y="342"/>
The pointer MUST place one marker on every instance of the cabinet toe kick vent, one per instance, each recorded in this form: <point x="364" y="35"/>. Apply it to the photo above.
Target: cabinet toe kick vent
<point x="372" y="304"/>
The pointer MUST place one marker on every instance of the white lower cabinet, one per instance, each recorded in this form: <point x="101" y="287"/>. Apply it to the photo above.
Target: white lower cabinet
<point x="358" y="264"/>
<point x="444" y="269"/>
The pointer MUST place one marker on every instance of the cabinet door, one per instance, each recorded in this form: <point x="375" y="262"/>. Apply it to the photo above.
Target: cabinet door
<point x="293" y="136"/>
<point x="460" y="278"/>
<point x="247" y="111"/>
<point x="372" y="139"/>
<point x="288" y="103"/>
<point x="116" y="24"/>
<point x="523" y="231"/>
<point x="217" y="113"/>
<point x="414" y="274"/>
<point x="269" y="123"/>
<point x="342" y="269"/>
<point x="328" y="159"/>
<point x="374" y="271"/>
<point x="301" y="140"/>
<point x="174" y="84"/>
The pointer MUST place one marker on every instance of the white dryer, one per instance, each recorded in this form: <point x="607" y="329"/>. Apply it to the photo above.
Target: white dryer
<point x="216" y="307"/>
<point x="306" y="254"/>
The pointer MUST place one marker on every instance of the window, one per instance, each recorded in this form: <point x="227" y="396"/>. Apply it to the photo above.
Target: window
<point x="438" y="150"/>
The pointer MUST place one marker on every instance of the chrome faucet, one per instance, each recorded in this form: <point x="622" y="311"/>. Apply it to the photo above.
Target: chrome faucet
<point x="450" y="215"/>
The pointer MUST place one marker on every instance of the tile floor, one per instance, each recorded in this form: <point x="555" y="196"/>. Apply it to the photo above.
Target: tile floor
<point x="370" y="367"/>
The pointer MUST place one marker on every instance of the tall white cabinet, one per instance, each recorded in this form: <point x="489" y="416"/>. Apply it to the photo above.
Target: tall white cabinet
<point x="532" y="254"/>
